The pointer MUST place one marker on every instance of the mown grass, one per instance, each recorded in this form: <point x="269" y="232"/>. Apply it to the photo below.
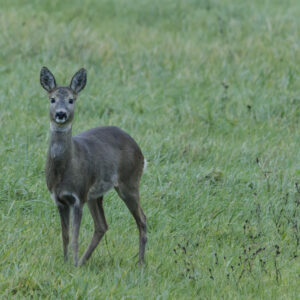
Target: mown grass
<point x="210" y="91"/>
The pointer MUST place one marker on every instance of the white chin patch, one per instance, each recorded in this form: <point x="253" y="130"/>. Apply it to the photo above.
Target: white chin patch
<point x="60" y="121"/>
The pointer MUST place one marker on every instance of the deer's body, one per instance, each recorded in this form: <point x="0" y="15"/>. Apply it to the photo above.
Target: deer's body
<point x="87" y="153"/>
<point x="81" y="169"/>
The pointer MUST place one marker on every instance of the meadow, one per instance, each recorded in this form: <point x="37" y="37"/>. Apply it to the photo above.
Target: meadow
<point x="211" y="92"/>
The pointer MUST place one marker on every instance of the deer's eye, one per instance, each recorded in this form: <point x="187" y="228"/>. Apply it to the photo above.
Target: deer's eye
<point x="71" y="101"/>
<point x="52" y="100"/>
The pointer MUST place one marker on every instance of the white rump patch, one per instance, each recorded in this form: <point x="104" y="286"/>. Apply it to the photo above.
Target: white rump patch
<point x="145" y="165"/>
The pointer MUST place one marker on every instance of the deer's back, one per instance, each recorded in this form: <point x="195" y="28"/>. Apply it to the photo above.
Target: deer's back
<point x="104" y="142"/>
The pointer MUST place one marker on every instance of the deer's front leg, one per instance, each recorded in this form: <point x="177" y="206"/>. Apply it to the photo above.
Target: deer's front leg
<point x="77" y="214"/>
<point x="64" y="212"/>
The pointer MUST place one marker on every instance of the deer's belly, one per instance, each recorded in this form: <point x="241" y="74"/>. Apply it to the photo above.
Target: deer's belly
<point x="99" y="189"/>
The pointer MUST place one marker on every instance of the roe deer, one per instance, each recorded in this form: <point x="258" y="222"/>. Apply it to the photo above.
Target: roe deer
<point x="82" y="168"/>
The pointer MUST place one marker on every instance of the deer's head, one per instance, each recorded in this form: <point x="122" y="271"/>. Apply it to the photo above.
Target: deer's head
<point x="62" y="98"/>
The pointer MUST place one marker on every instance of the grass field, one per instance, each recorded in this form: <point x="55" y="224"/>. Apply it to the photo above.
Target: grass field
<point x="211" y="92"/>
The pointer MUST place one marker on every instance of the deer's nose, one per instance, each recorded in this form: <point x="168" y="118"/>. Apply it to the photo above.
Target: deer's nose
<point x="61" y="115"/>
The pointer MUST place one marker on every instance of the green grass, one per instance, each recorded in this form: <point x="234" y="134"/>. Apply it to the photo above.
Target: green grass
<point x="210" y="91"/>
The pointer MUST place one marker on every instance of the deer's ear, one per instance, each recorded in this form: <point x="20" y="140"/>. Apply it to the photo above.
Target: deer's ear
<point x="78" y="81"/>
<point x="47" y="80"/>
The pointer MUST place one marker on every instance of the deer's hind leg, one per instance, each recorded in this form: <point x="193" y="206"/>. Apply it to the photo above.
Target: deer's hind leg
<point x="130" y="195"/>
<point x="100" y="227"/>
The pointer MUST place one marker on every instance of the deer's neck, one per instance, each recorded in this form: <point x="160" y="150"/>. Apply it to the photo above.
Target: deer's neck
<point x="61" y="144"/>
<point x="59" y="154"/>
